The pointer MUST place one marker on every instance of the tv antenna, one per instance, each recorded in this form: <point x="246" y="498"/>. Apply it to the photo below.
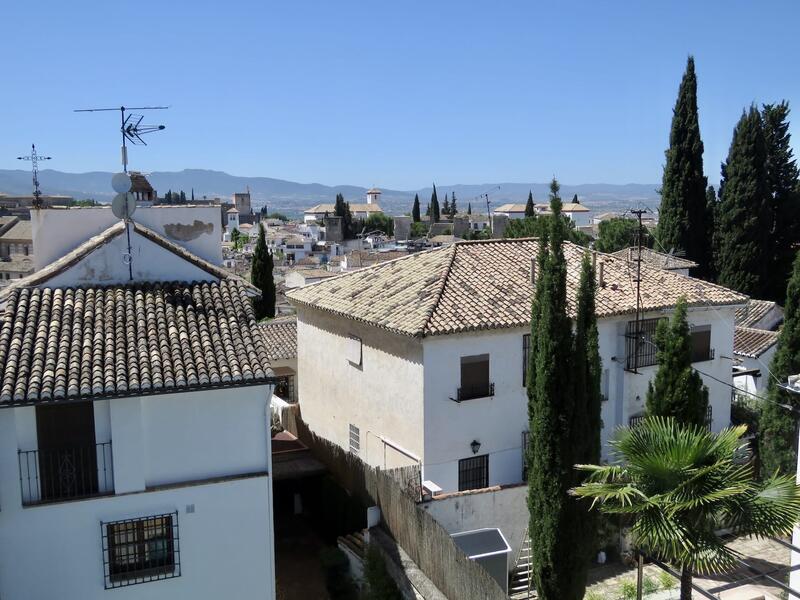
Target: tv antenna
<point x="485" y="196"/>
<point x="35" y="158"/>
<point x="131" y="127"/>
<point x="123" y="206"/>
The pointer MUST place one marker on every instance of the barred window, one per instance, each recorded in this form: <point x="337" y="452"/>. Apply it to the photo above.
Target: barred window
<point x="473" y="473"/>
<point x="640" y="347"/>
<point x="355" y="439"/>
<point x="141" y="550"/>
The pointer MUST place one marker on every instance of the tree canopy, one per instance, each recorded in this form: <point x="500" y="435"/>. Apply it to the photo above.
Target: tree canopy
<point x="261" y="276"/>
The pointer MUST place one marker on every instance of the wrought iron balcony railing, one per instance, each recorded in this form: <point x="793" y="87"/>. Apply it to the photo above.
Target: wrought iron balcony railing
<point x="482" y="390"/>
<point x="52" y="475"/>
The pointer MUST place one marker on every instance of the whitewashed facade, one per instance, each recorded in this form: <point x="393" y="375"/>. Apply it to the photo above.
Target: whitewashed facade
<point x="143" y="464"/>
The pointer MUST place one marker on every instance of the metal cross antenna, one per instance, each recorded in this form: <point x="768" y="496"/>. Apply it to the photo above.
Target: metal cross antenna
<point x="35" y="158"/>
<point x="131" y="127"/>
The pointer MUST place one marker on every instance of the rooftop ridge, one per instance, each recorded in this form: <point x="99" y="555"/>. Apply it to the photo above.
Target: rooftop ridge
<point x="438" y="296"/>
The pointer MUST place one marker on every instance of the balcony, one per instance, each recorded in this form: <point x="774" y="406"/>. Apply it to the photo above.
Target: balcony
<point x="471" y="392"/>
<point x="637" y="419"/>
<point x="55" y="475"/>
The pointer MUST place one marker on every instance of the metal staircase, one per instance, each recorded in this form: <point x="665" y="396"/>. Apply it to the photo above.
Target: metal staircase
<point x="520" y="586"/>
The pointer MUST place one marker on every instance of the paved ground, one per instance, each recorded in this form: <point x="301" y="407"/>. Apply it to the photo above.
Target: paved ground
<point x="766" y="555"/>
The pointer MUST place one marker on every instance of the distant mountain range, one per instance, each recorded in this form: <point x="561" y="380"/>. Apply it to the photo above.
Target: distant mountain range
<point x="292" y="198"/>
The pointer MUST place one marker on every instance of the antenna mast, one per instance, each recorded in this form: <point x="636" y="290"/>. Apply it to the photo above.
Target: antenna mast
<point x="35" y="158"/>
<point x="131" y="127"/>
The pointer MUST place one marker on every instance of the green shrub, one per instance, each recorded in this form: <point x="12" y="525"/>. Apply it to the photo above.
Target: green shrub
<point x="627" y="589"/>
<point x="593" y="596"/>
<point x="666" y="580"/>
<point x="649" y="585"/>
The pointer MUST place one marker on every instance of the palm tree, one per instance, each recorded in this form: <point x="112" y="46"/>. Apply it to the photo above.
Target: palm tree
<point x="680" y="484"/>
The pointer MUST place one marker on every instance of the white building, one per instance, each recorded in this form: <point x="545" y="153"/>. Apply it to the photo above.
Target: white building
<point x="233" y="220"/>
<point x="422" y="359"/>
<point x="753" y="350"/>
<point x="303" y="277"/>
<point x="359" y="211"/>
<point x="134" y="438"/>
<point x="512" y="211"/>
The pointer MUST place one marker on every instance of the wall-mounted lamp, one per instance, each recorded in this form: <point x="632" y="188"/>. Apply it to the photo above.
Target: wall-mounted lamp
<point x="475" y="445"/>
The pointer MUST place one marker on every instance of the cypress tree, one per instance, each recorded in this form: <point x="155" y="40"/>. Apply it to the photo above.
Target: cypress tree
<point x="713" y="216"/>
<point x="777" y="433"/>
<point x="415" y="209"/>
<point x="434" y="206"/>
<point x="428" y="210"/>
<point x="677" y="390"/>
<point x="446" y="207"/>
<point x="529" y="211"/>
<point x="551" y="410"/>
<point x="469" y="208"/>
<point x="744" y="210"/>
<point x="575" y="199"/>
<point x="261" y="276"/>
<point x="782" y="175"/>
<point x="453" y="208"/>
<point x="683" y="223"/>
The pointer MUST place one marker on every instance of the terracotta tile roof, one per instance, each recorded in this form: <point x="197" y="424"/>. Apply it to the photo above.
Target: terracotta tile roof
<point x="487" y="285"/>
<point x="753" y="342"/>
<point x="280" y="337"/>
<point x="313" y="273"/>
<point x="659" y="260"/>
<point x="358" y="259"/>
<point x="753" y="312"/>
<point x="44" y="274"/>
<point x="73" y="343"/>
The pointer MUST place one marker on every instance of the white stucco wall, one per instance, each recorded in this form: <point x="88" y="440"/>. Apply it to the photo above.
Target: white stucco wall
<point x="151" y="262"/>
<point x="58" y="231"/>
<point x="756" y="385"/>
<point x="506" y="509"/>
<point x="226" y="541"/>
<point x="382" y="397"/>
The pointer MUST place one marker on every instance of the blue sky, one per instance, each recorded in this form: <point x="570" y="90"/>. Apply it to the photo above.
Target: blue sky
<point x="394" y="94"/>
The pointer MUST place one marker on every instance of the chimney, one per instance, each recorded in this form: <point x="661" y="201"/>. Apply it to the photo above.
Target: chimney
<point x="533" y="271"/>
<point x="600" y="280"/>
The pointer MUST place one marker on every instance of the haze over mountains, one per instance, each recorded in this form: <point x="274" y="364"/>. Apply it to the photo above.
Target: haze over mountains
<point x="292" y="198"/>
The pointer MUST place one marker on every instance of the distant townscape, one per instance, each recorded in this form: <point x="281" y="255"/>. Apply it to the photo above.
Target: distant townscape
<point x="217" y="387"/>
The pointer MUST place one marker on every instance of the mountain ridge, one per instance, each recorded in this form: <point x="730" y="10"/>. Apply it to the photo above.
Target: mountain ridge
<point x="293" y="197"/>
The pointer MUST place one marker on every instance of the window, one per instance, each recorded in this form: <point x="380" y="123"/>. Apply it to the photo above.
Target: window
<point x="353" y="350"/>
<point x="701" y="343"/>
<point x="475" y="378"/>
<point x="526" y="352"/>
<point x="355" y="439"/>
<point x="141" y="550"/>
<point x="473" y="473"/>
<point x="640" y="350"/>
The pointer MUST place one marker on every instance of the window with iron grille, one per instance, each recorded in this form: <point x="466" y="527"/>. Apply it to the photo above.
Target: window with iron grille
<point x="141" y="550"/>
<point x="355" y="439"/>
<point x="526" y="352"/>
<point x="473" y="473"/>
<point x="640" y="350"/>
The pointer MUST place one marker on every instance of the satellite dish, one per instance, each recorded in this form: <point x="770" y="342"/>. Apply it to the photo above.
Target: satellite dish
<point x="124" y="205"/>
<point x="121" y="182"/>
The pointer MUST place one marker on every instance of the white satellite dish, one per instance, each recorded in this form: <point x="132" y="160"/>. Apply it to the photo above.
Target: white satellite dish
<point x="124" y="205"/>
<point x="121" y="182"/>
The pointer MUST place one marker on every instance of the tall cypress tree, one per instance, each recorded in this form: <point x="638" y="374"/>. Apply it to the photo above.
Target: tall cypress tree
<point x="415" y="209"/>
<point x="712" y="213"/>
<point x="745" y="210"/>
<point x="469" y="208"/>
<point x="453" y="207"/>
<point x="677" y="390"/>
<point x="551" y="410"/>
<point x="777" y="433"/>
<point x="782" y="175"/>
<point x="683" y="223"/>
<point x="529" y="210"/>
<point x="446" y="207"/>
<point x="434" y="206"/>
<point x="262" y="277"/>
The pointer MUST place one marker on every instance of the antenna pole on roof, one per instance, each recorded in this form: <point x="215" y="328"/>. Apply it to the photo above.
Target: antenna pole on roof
<point x="131" y="127"/>
<point x="35" y="158"/>
<point x="638" y="212"/>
